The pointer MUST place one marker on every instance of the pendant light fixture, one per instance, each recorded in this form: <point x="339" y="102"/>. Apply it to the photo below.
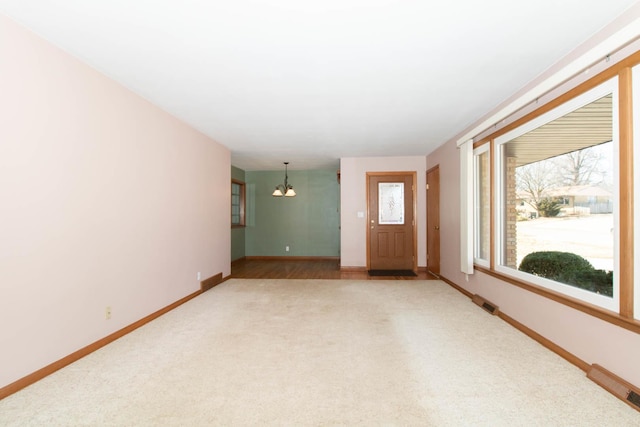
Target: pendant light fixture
<point x="285" y="190"/>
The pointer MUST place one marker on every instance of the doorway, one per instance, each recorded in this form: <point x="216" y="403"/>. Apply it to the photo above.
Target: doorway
<point x="433" y="220"/>
<point x="391" y="208"/>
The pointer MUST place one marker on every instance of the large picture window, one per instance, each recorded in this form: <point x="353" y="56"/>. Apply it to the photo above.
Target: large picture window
<point x="556" y="205"/>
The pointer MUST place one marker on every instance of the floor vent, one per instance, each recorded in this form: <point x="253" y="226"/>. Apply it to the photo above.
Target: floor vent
<point x="615" y="385"/>
<point x="634" y="398"/>
<point x="486" y="305"/>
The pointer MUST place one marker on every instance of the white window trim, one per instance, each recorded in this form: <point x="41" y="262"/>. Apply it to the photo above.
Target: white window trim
<point x="613" y="304"/>
<point x="476" y="187"/>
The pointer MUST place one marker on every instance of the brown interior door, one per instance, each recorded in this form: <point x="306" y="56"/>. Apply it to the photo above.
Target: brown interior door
<point x="391" y="212"/>
<point x="433" y="220"/>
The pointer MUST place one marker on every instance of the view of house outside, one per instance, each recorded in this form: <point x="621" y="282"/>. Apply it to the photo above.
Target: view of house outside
<point x="566" y="204"/>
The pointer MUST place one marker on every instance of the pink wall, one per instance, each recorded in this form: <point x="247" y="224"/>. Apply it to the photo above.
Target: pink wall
<point x="353" y="199"/>
<point x="587" y="337"/>
<point x="105" y="200"/>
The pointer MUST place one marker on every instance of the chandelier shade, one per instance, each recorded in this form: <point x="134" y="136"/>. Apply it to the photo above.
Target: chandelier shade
<point x="285" y="189"/>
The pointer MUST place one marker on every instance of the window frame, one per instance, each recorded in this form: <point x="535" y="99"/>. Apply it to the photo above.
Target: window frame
<point x="242" y="203"/>
<point x="635" y="73"/>
<point x="608" y="303"/>
<point x="627" y="316"/>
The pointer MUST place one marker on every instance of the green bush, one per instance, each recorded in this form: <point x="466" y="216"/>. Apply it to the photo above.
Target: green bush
<point x="570" y="269"/>
<point x="598" y="281"/>
<point x="548" y="207"/>
<point x="552" y="264"/>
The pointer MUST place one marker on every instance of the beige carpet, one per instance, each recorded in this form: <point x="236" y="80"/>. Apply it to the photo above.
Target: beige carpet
<point x="321" y="353"/>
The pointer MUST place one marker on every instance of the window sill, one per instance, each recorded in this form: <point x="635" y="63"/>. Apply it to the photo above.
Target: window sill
<point x="592" y="310"/>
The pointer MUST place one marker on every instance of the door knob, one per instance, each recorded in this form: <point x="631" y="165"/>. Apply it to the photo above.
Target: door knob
<point x="437" y="227"/>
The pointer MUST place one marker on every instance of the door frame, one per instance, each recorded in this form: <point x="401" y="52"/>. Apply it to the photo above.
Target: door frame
<point x="414" y="178"/>
<point x="428" y="234"/>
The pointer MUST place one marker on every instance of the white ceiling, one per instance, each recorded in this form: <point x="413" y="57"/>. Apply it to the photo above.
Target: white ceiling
<point x="311" y="82"/>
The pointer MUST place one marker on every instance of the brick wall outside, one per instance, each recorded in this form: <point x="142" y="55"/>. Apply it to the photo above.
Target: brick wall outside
<point x="485" y="206"/>
<point x="511" y="243"/>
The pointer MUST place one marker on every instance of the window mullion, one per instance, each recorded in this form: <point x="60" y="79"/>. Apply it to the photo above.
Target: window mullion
<point x="625" y="115"/>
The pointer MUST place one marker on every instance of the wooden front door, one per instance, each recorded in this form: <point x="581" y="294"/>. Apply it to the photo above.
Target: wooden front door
<point x="391" y="240"/>
<point x="433" y="220"/>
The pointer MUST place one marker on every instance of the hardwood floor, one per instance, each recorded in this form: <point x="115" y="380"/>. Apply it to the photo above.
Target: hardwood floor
<point x="306" y="269"/>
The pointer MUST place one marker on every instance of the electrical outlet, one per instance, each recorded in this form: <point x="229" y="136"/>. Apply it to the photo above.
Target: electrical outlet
<point x="286" y="248"/>
<point x="198" y="275"/>
<point x="107" y="313"/>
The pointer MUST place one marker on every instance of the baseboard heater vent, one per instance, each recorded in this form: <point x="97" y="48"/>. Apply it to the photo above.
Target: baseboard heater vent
<point x="615" y="385"/>
<point x="486" y="305"/>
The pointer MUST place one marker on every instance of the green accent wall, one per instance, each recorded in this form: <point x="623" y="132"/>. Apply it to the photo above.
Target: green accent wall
<point x="308" y="223"/>
<point x="237" y="234"/>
